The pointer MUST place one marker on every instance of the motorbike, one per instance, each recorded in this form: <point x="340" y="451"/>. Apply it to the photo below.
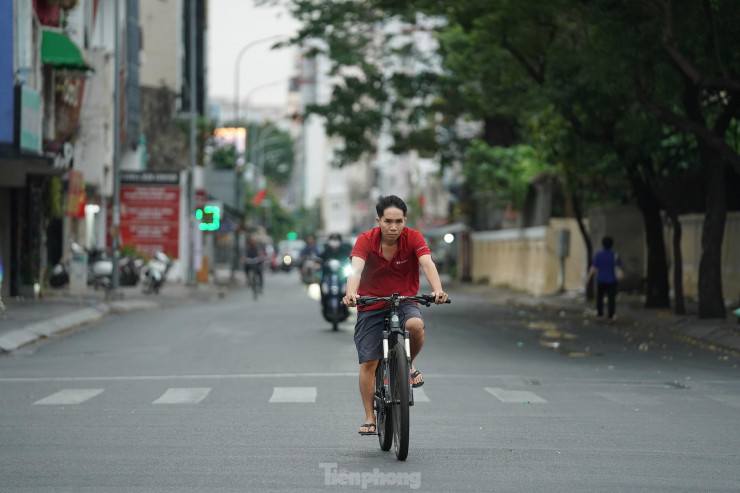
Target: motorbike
<point x="99" y="269"/>
<point x="310" y="269"/>
<point x="129" y="269"/>
<point x="333" y="284"/>
<point x="154" y="273"/>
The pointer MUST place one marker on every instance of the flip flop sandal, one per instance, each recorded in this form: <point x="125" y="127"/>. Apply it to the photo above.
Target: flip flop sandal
<point x="367" y="426"/>
<point x="413" y="376"/>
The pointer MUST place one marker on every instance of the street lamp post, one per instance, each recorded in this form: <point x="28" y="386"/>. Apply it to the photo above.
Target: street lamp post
<point x="238" y="62"/>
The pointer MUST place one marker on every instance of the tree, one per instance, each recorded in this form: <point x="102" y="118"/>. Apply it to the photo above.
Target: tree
<point x="623" y="81"/>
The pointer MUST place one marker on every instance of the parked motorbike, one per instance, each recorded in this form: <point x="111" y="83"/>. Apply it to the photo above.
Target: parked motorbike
<point x="129" y="269"/>
<point x="154" y="273"/>
<point x="99" y="269"/>
<point x="333" y="284"/>
<point x="59" y="276"/>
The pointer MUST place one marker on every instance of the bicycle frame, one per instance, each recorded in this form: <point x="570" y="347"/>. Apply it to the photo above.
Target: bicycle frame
<point x="391" y="331"/>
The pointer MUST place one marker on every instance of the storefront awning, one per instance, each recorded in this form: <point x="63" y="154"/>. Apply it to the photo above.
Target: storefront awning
<point x="61" y="52"/>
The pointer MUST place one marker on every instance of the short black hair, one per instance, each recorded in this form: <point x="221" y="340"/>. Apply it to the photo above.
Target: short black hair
<point x="390" y="201"/>
<point x="607" y="242"/>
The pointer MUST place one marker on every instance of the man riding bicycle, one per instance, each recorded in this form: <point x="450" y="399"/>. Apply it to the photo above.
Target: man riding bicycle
<point x="254" y="257"/>
<point x="386" y="260"/>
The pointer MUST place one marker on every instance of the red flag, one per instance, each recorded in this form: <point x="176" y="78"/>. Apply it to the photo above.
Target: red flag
<point x="259" y="197"/>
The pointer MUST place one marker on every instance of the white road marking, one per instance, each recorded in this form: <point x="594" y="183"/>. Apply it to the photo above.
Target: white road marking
<point x="133" y="378"/>
<point x="69" y="397"/>
<point x="183" y="396"/>
<point x="420" y="395"/>
<point x="629" y="398"/>
<point x="731" y="400"/>
<point x="293" y="394"/>
<point x="515" y="396"/>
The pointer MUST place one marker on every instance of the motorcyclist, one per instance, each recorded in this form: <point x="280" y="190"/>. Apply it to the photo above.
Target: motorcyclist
<point x="334" y="249"/>
<point x="254" y="257"/>
<point x="308" y="252"/>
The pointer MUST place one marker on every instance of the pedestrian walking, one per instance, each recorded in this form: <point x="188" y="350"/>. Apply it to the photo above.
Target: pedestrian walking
<point x="605" y="266"/>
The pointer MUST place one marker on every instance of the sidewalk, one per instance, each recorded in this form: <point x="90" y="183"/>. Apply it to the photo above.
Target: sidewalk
<point x="723" y="335"/>
<point x="26" y="321"/>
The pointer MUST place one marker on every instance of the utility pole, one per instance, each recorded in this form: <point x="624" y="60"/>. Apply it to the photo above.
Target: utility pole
<point x="191" y="171"/>
<point x="115" y="291"/>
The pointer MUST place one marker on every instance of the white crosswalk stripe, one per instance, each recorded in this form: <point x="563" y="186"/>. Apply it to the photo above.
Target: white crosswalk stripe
<point x="69" y="397"/>
<point x="293" y="394"/>
<point x="420" y="395"/>
<point x="183" y="396"/>
<point x="515" y="396"/>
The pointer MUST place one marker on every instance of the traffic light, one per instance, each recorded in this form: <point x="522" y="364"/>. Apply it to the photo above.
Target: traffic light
<point x="292" y="235"/>
<point x="209" y="217"/>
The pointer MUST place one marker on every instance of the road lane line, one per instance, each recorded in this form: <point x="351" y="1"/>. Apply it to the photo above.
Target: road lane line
<point x="183" y="396"/>
<point x="730" y="400"/>
<point x="133" y="378"/>
<point x="69" y="397"/>
<point x="293" y="394"/>
<point x="629" y="398"/>
<point x="515" y="396"/>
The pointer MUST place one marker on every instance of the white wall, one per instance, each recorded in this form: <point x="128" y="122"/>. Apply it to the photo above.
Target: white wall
<point x="161" y="32"/>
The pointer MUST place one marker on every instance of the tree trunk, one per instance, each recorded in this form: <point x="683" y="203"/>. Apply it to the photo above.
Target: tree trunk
<point x="586" y="238"/>
<point x="679" y="301"/>
<point x="711" y="299"/>
<point x="656" y="286"/>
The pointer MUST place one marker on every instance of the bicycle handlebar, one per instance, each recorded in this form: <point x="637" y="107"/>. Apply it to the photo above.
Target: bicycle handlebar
<point x="424" y="299"/>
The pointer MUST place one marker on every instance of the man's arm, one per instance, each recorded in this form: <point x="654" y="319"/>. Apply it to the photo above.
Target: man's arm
<point x="353" y="281"/>
<point x="430" y="272"/>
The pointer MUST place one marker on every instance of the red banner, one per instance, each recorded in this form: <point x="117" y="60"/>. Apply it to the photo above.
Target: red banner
<point x="76" y="194"/>
<point x="150" y="218"/>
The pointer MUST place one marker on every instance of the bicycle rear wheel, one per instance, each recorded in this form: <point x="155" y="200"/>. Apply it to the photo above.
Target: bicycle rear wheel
<point x="400" y="391"/>
<point x="383" y="418"/>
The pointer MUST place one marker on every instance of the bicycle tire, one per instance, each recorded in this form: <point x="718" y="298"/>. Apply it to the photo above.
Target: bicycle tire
<point x="400" y="392"/>
<point x="383" y="417"/>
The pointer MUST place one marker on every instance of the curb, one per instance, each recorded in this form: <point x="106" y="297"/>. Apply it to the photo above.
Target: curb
<point x="40" y="330"/>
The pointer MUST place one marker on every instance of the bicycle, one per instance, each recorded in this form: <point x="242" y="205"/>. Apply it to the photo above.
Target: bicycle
<point x="254" y="281"/>
<point x="394" y="392"/>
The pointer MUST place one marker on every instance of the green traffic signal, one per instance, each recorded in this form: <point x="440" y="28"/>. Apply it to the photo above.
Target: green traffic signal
<point x="209" y="217"/>
<point x="292" y="235"/>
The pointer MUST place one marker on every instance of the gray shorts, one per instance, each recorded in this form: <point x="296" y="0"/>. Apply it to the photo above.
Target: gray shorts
<point x="369" y="330"/>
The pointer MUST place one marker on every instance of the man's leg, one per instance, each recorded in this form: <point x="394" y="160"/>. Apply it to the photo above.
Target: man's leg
<point x="611" y="294"/>
<point x="415" y="326"/>
<point x="367" y="388"/>
<point x="600" y="291"/>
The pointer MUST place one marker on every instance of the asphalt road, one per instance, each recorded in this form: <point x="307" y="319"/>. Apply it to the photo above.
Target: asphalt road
<point x="238" y="395"/>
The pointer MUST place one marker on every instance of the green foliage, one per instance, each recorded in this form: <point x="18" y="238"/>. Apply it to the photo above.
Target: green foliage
<point x="54" y="198"/>
<point x="224" y="157"/>
<point x="503" y="173"/>
<point x="307" y="220"/>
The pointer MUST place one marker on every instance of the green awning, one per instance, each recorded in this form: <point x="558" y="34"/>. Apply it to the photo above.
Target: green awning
<point x="61" y="52"/>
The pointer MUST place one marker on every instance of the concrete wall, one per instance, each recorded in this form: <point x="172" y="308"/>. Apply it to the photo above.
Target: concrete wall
<point x="526" y="259"/>
<point x="691" y="225"/>
<point x="161" y="32"/>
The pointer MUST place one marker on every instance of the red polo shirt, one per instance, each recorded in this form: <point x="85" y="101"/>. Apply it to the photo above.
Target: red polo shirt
<point x="383" y="278"/>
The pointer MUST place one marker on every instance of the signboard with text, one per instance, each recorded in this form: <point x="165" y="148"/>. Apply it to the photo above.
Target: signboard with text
<point x="150" y="212"/>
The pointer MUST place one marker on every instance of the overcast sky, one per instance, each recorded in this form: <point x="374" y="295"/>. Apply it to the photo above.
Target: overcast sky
<point x="232" y="24"/>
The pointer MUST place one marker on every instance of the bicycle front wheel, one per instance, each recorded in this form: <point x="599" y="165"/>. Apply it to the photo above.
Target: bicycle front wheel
<point x="400" y="392"/>
<point x="383" y="414"/>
